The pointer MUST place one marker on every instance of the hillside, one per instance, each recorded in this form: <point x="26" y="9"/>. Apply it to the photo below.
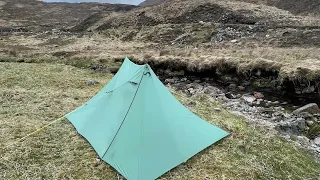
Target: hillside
<point x="151" y="2"/>
<point x="216" y="11"/>
<point x="298" y="7"/>
<point x="37" y="15"/>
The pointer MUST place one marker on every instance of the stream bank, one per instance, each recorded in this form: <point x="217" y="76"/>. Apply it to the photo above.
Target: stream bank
<point x="259" y="95"/>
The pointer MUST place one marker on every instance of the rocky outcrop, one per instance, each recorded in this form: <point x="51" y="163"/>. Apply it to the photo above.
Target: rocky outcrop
<point x="311" y="108"/>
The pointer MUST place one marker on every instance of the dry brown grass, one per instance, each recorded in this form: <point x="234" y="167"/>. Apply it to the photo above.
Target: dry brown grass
<point x="292" y="62"/>
<point x="170" y="10"/>
<point x="33" y="95"/>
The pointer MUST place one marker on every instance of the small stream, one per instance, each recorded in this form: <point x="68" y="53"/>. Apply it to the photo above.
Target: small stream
<point x="289" y="100"/>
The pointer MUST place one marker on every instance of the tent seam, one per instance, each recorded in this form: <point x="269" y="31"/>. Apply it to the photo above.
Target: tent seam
<point x="124" y="117"/>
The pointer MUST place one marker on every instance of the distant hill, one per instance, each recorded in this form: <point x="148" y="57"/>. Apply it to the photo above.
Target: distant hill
<point x="37" y="15"/>
<point x="151" y="2"/>
<point x="215" y="11"/>
<point x="298" y="7"/>
<point x="133" y="2"/>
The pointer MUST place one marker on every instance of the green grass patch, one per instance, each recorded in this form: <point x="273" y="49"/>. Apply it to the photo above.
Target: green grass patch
<point x="33" y="95"/>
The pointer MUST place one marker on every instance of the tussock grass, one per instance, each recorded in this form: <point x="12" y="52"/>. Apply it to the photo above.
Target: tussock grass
<point x="33" y="95"/>
<point x="294" y="63"/>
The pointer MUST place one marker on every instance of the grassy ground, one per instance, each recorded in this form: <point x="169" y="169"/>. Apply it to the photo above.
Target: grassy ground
<point x="32" y="95"/>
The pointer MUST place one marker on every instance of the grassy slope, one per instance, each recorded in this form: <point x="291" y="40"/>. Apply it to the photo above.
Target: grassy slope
<point x="32" y="95"/>
<point x="37" y="15"/>
<point x="301" y="7"/>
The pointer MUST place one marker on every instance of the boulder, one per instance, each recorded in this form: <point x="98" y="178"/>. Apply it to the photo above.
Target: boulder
<point x="248" y="98"/>
<point x="241" y="88"/>
<point x="309" y="123"/>
<point x="217" y="109"/>
<point x="232" y="96"/>
<point x="170" y="81"/>
<point x="194" y="86"/>
<point x="308" y="90"/>
<point x="232" y="86"/>
<point x="317" y="141"/>
<point x="293" y="126"/>
<point x="258" y="95"/>
<point x="183" y="79"/>
<point x="212" y="90"/>
<point x="311" y="108"/>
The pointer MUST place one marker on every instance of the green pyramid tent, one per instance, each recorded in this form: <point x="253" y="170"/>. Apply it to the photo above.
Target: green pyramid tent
<point x="138" y="127"/>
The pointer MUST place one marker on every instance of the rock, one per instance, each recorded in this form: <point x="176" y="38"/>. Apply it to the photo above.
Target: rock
<point x="230" y="95"/>
<point x="293" y="126"/>
<point x="191" y="91"/>
<point x="317" y="141"/>
<point x="306" y="115"/>
<point x="303" y="139"/>
<point x="297" y="91"/>
<point x="201" y="22"/>
<point x="97" y="67"/>
<point x="248" y="98"/>
<point x="268" y="104"/>
<point x="234" y="41"/>
<point x="275" y="102"/>
<point x="172" y="81"/>
<point x="308" y="90"/>
<point x="314" y="146"/>
<point x="258" y="73"/>
<point x="287" y="137"/>
<point x="91" y="83"/>
<point x="211" y="90"/>
<point x="241" y="88"/>
<point x="226" y="78"/>
<point x="259" y="101"/>
<point x="309" y="123"/>
<point x="194" y="86"/>
<point x="232" y="86"/>
<point x="176" y="79"/>
<point x="183" y="80"/>
<point x="235" y="79"/>
<point x="217" y="109"/>
<point x="258" y="95"/>
<point x="278" y="108"/>
<point x="284" y="103"/>
<point x="191" y="104"/>
<point x="197" y="81"/>
<point x="311" y="108"/>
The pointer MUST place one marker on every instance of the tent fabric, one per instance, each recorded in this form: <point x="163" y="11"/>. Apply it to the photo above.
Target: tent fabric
<point x="138" y="127"/>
